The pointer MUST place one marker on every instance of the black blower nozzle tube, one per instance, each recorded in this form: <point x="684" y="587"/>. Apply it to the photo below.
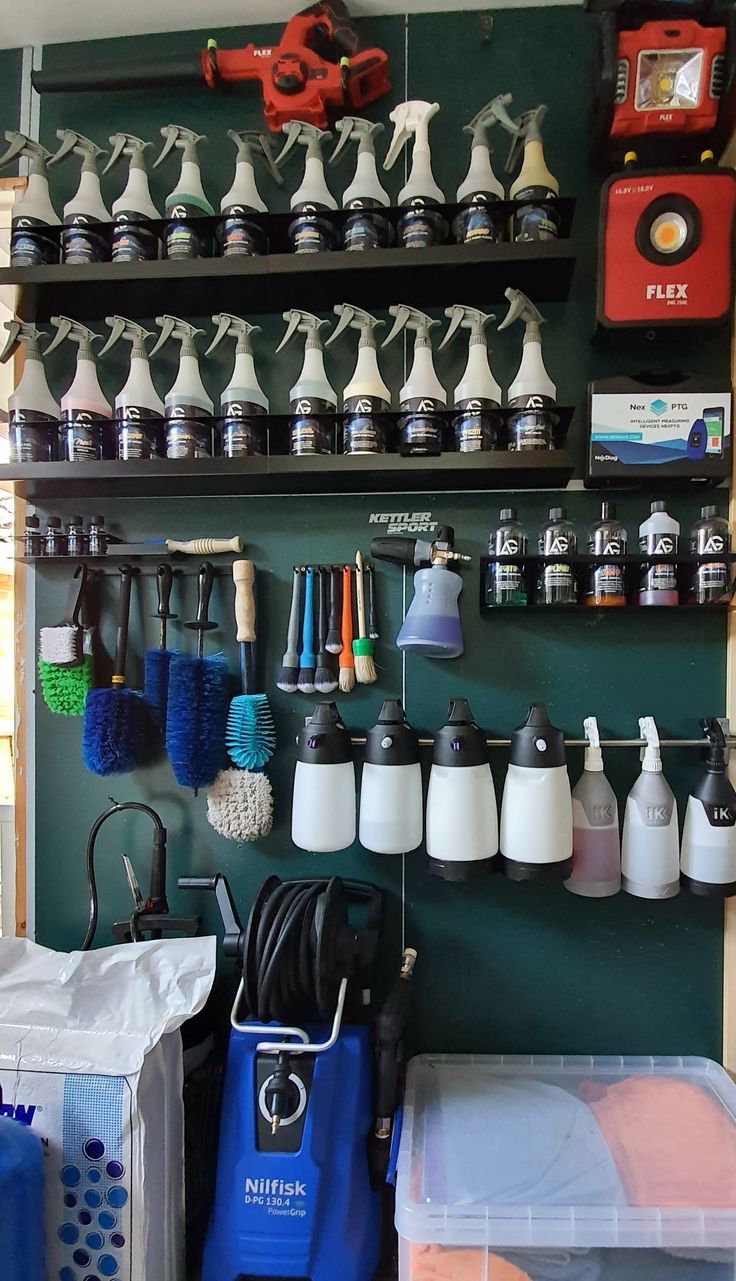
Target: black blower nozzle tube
<point x="145" y="73"/>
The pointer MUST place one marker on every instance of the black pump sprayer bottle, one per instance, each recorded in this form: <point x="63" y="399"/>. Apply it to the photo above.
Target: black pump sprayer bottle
<point x="708" y="855"/>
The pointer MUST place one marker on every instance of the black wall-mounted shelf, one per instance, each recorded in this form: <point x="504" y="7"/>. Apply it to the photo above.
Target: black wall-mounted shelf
<point x="310" y="474"/>
<point x="632" y="566"/>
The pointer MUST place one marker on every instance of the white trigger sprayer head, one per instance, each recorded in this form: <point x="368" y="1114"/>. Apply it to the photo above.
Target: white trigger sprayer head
<point x="522" y="308"/>
<point x="354" y="317"/>
<point x="304" y="322"/>
<point x="232" y="327"/>
<point x="593" y="753"/>
<point x="126" y="144"/>
<point x="67" y="328"/>
<point x="180" y="330"/>
<point x="20" y="145"/>
<point x="464" y="317"/>
<point x="18" y="332"/>
<point x="179" y="136"/>
<point x="412" y="119"/>
<point x="406" y="317"/>
<point x="121" y="327"/>
<point x="76" y="143"/>
<point x="650" y="754"/>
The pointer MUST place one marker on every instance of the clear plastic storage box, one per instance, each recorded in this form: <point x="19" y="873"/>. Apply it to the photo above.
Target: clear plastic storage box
<point x="540" y="1168"/>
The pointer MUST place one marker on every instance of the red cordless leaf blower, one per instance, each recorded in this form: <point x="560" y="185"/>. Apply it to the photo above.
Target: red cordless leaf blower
<point x="317" y="69"/>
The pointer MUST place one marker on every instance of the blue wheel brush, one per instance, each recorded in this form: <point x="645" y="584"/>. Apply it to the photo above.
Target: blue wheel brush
<point x="158" y="661"/>
<point x="115" y="720"/>
<point x="250" y="737"/>
<point x="196" y="710"/>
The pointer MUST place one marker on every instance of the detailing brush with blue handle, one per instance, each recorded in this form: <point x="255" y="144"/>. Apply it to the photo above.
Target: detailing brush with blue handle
<point x="308" y="658"/>
<point x="196" y="710"/>
<point x="325" y="679"/>
<point x="114" y="727"/>
<point x="250" y="738"/>
<point x="156" y="662"/>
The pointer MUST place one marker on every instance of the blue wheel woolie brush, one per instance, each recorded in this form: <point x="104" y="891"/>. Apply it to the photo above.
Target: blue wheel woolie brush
<point x="196" y="709"/>
<point x="114" y="728"/>
<point x="250" y="736"/>
<point x="157" y="662"/>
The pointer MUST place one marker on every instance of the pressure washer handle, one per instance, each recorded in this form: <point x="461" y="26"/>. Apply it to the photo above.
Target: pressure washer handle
<point x="400" y="551"/>
<point x="204" y="590"/>
<point x="234" y="941"/>
<point x="178" y="69"/>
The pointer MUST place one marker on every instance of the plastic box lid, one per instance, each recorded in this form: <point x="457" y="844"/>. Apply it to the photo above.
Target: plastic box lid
<point x="565" y="1151"/>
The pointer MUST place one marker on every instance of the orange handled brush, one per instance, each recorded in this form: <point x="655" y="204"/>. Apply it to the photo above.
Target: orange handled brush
<point x="347" y="662"/>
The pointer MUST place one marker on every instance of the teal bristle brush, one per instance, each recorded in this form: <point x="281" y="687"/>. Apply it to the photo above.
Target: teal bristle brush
<point x="250" y="738"/>
<point x="157" y="662"/>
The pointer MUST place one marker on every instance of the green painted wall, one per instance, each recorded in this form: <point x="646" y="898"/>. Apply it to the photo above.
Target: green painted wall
<point x="10" y="69"/>
<point x="502" y="967"/>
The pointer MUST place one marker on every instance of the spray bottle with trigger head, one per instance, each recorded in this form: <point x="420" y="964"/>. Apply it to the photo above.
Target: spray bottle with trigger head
<point x="477" y="394"/>
<point x="187" y="202"/>
<point x="187" y="407"/>
<point x="422" y="395"/>
<point x="596" y="843"/>
<point x="33" y="424"/>
<point x="84" y="408"/>
<point x="708" y="856"/>
<point x="33" y="212"/>
<point x="365" y="229"/>
<point x="432" y="624"/>
<point x="309" y="233"/>
<point x="366" y="397"/>
<point x="243" y="401"/>
<point x="650" y="846"/>
<point x="131" y="240"/>
<point x="312" y="394"/>
<point x="139" y="410"/>
<point x="532" y="392"/>
<point x="421" y="225"/>
<point x="476" y="223"/>
<point x="536" y="218"/>
<point x="238" y="234"/>
<point x="80" y="243"/>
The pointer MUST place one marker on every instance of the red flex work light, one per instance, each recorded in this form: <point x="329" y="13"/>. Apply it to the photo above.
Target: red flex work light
<point x="670" y="78"/>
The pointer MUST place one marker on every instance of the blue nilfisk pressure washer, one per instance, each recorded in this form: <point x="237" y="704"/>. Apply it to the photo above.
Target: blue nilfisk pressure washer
<point x="304" y="1136"/>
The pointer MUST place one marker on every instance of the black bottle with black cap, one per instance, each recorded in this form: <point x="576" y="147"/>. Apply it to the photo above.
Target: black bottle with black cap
<point x="462" y="816"/>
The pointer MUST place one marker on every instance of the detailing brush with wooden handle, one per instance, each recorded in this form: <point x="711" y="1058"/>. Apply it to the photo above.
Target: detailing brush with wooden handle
<point x="365" y="668"/>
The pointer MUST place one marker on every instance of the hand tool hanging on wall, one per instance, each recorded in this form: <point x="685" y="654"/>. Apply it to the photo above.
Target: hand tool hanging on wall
<point x="333" y="644"/>
<point x="421" y="225"/>
<point x="131" y="241"/>
<point x="190" y="432"/>
<point x="323" y="799"/>
<point x="85" y="412"/>
<point x="325" y="679"/>
<point x="365" y="229"/>
<point x="157" y="662"/>
<point x="187" y="203"/>
<point x="65" y="654"/>
<point x="33" y="421"/>
<point x="708" y="856"/>
<point x="432" y="624"/>
<point x="477" y="394"/>
<point x="462" y="815"/>
<point x="30" y="244"/>
<point x="363" y="646"/>
<point x="318" y="66"/>
<point x="650" y="845"/>
<point x="239" y="235"/>
<point x="196" y="711"/>
<point x="288" y="677"/>
<point x="243" y="401"/>
<point x="596" y="843"/>
<point x="80" y="243"/>
<point x="481" y="188"/>
<point x="346" y="662"/>
<point x="116" y="719"/>
<point x="536" y="810"/>
<point x="391" y="803"/>
<point x="308" y="657"/>
<point x="365" y="397"/>
<point x="139" y="410"/>
<point x="309" y="233"/>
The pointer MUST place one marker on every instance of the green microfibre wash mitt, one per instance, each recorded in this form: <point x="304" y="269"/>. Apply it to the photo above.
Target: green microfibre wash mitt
<point x="65" y="689"/>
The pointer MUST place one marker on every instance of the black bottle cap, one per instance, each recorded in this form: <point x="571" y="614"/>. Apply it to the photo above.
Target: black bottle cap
<point x="608" y="511"/>
<point x="391" y="741"/>
<point x="76" y="520"/>
<point x="460" y="743"/>
<point x="537" y="744"/>
<point x="658" y="506"/>
<point x="557" y="513"/>
<point x="707" y="513"/>
<point x="97" y="520"/>
<point x="32" y="522"/>
<point x="507" y="513"/>
<point x="53" y="522"/>
<point x="324" y="739"/>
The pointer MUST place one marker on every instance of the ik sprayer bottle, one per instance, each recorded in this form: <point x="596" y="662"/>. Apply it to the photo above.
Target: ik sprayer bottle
<point x="239" y="235"/>
<point x="391" y="805"/>
<point x="421" y="225"/>
<point x="506" y="579"/>
<point x="190" y="432"/>
<point x="323" y="801"/>
<point x="659" y="535"/>
<point x="650" y="848"/>
<point x="606" y="583"/>
<point x="132" y="239"/>
<point x="557" y="544"/>
<point x="422" y="395"/>
<point x="536" y="218"/>
<point x="312" y="395"/>
<point x="33" y="414"/>
<point x="85" y="413"/>
<point x="366" y="398"/>
<point x="365" y="228"/>
<point x="481" y="189"/>
<point x="33" y="214"/>
<point x="432" y="624"/>
<point x="596" y="843"/>
<point x="532" y="392"/>
<point x="536" y="812"/>
<point x="243" y="402"/>
<point x="710" y="537"/>
<point x="708" y="859"/>
<point x="462" y="815"/>
<point x="139" y="410"/>
<point x="477" y="394"/>
<point x="81" y="241"/>
<point x="187" y="204"/>
<point x="310" y="232"/>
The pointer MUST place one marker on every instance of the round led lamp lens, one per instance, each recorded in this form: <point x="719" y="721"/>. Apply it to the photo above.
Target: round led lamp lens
<point x="668" y="233"/>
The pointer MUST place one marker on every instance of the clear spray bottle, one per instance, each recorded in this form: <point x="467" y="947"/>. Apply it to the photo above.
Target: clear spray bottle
<point x="310" y="232"/>
<point x="85" y="412"/>
<point x="33" y="412"/>
<point x="650" y="848"/>
<point x="243" y="402"/>
<point x="477" y="394"/>
<point x="312" y="395"/>
<point x="481" y="189"/>
<point x="239" y="235"/>
<point x="365" y="228"/>
<point x="132" y="240"/>
<point x="33" y="213"/>
<point x="187" y="203"/>
<point x="532" y="392"/>
<point x="139" y="410"/>
<point x="422" y="395"/>
<point x="537" y="188"/>
<point x="366" y="398"/>
<point x="80" y="241"/>
<point x="421" y="225"/>
<point x="190" y="432"/>
<point x="596" y="843"/>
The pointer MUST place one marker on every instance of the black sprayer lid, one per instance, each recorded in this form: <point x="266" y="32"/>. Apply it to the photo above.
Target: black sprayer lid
<point x="658" y="506"/>
<point x="536" y="744"/>
<point x="324" y="739"/>
<point x="707" y="513"/>
<point x="392" y="741"/>
<point x="97" y="520"/>
<point x="460" y="743"/>
<point x="53" y="522"/>
<point x="76" y="520"/>
<point x="608" y="511"/>
<point x="507" y="513"/>
<point x="32" y="522"/>
<point x="557" y="513"/>
<point x="716" y="758"/>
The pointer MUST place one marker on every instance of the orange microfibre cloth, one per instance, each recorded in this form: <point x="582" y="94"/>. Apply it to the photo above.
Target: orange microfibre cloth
<point x="672" y="1143"/>
<point x="436" y="1263"/>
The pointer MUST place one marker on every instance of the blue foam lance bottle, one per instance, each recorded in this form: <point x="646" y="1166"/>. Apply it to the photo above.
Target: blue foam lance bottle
<point x="432" y="625"/>
<point x="22" y="1245"/>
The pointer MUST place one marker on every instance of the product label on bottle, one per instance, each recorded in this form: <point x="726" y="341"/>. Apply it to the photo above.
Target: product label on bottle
<point x="420" y="431"/>
<point x="139" y="433"/>
<point x="365" y="431"/>
<point x="476" y="428"/>
<point x="85" y="436"/>
<point x="507" y="584"/>
<point x="242" y="435"/>
<point x="189" y="433"/>
<point x="558" y="585"/>
<point x="659" y="578"/>
<point x="606" y="581"/>
<point x="308" y="434"/>
<point x="133" y="243"/>
<point x="720" y="815"/>
<point x="239" y="237"/>
<point x="365" y="231"/>
<point x="80" y="243"/>
<point x="30" y="243"/>
<point x="712" y="582"/>
<point x="31" y="436"/>
<point x="536" y="221"/>
<point x="184" y="239"/>
<point x="421" y="226"/>
<point x="557" y="542"/>
<point x="531" y="429"/>
<point x="310" y="234"/>
<point x="476" y="224"/>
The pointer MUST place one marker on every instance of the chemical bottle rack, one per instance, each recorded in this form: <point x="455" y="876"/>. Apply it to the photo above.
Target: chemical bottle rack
<point x="581" y="562"/>
<point x="272" y="282"/>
